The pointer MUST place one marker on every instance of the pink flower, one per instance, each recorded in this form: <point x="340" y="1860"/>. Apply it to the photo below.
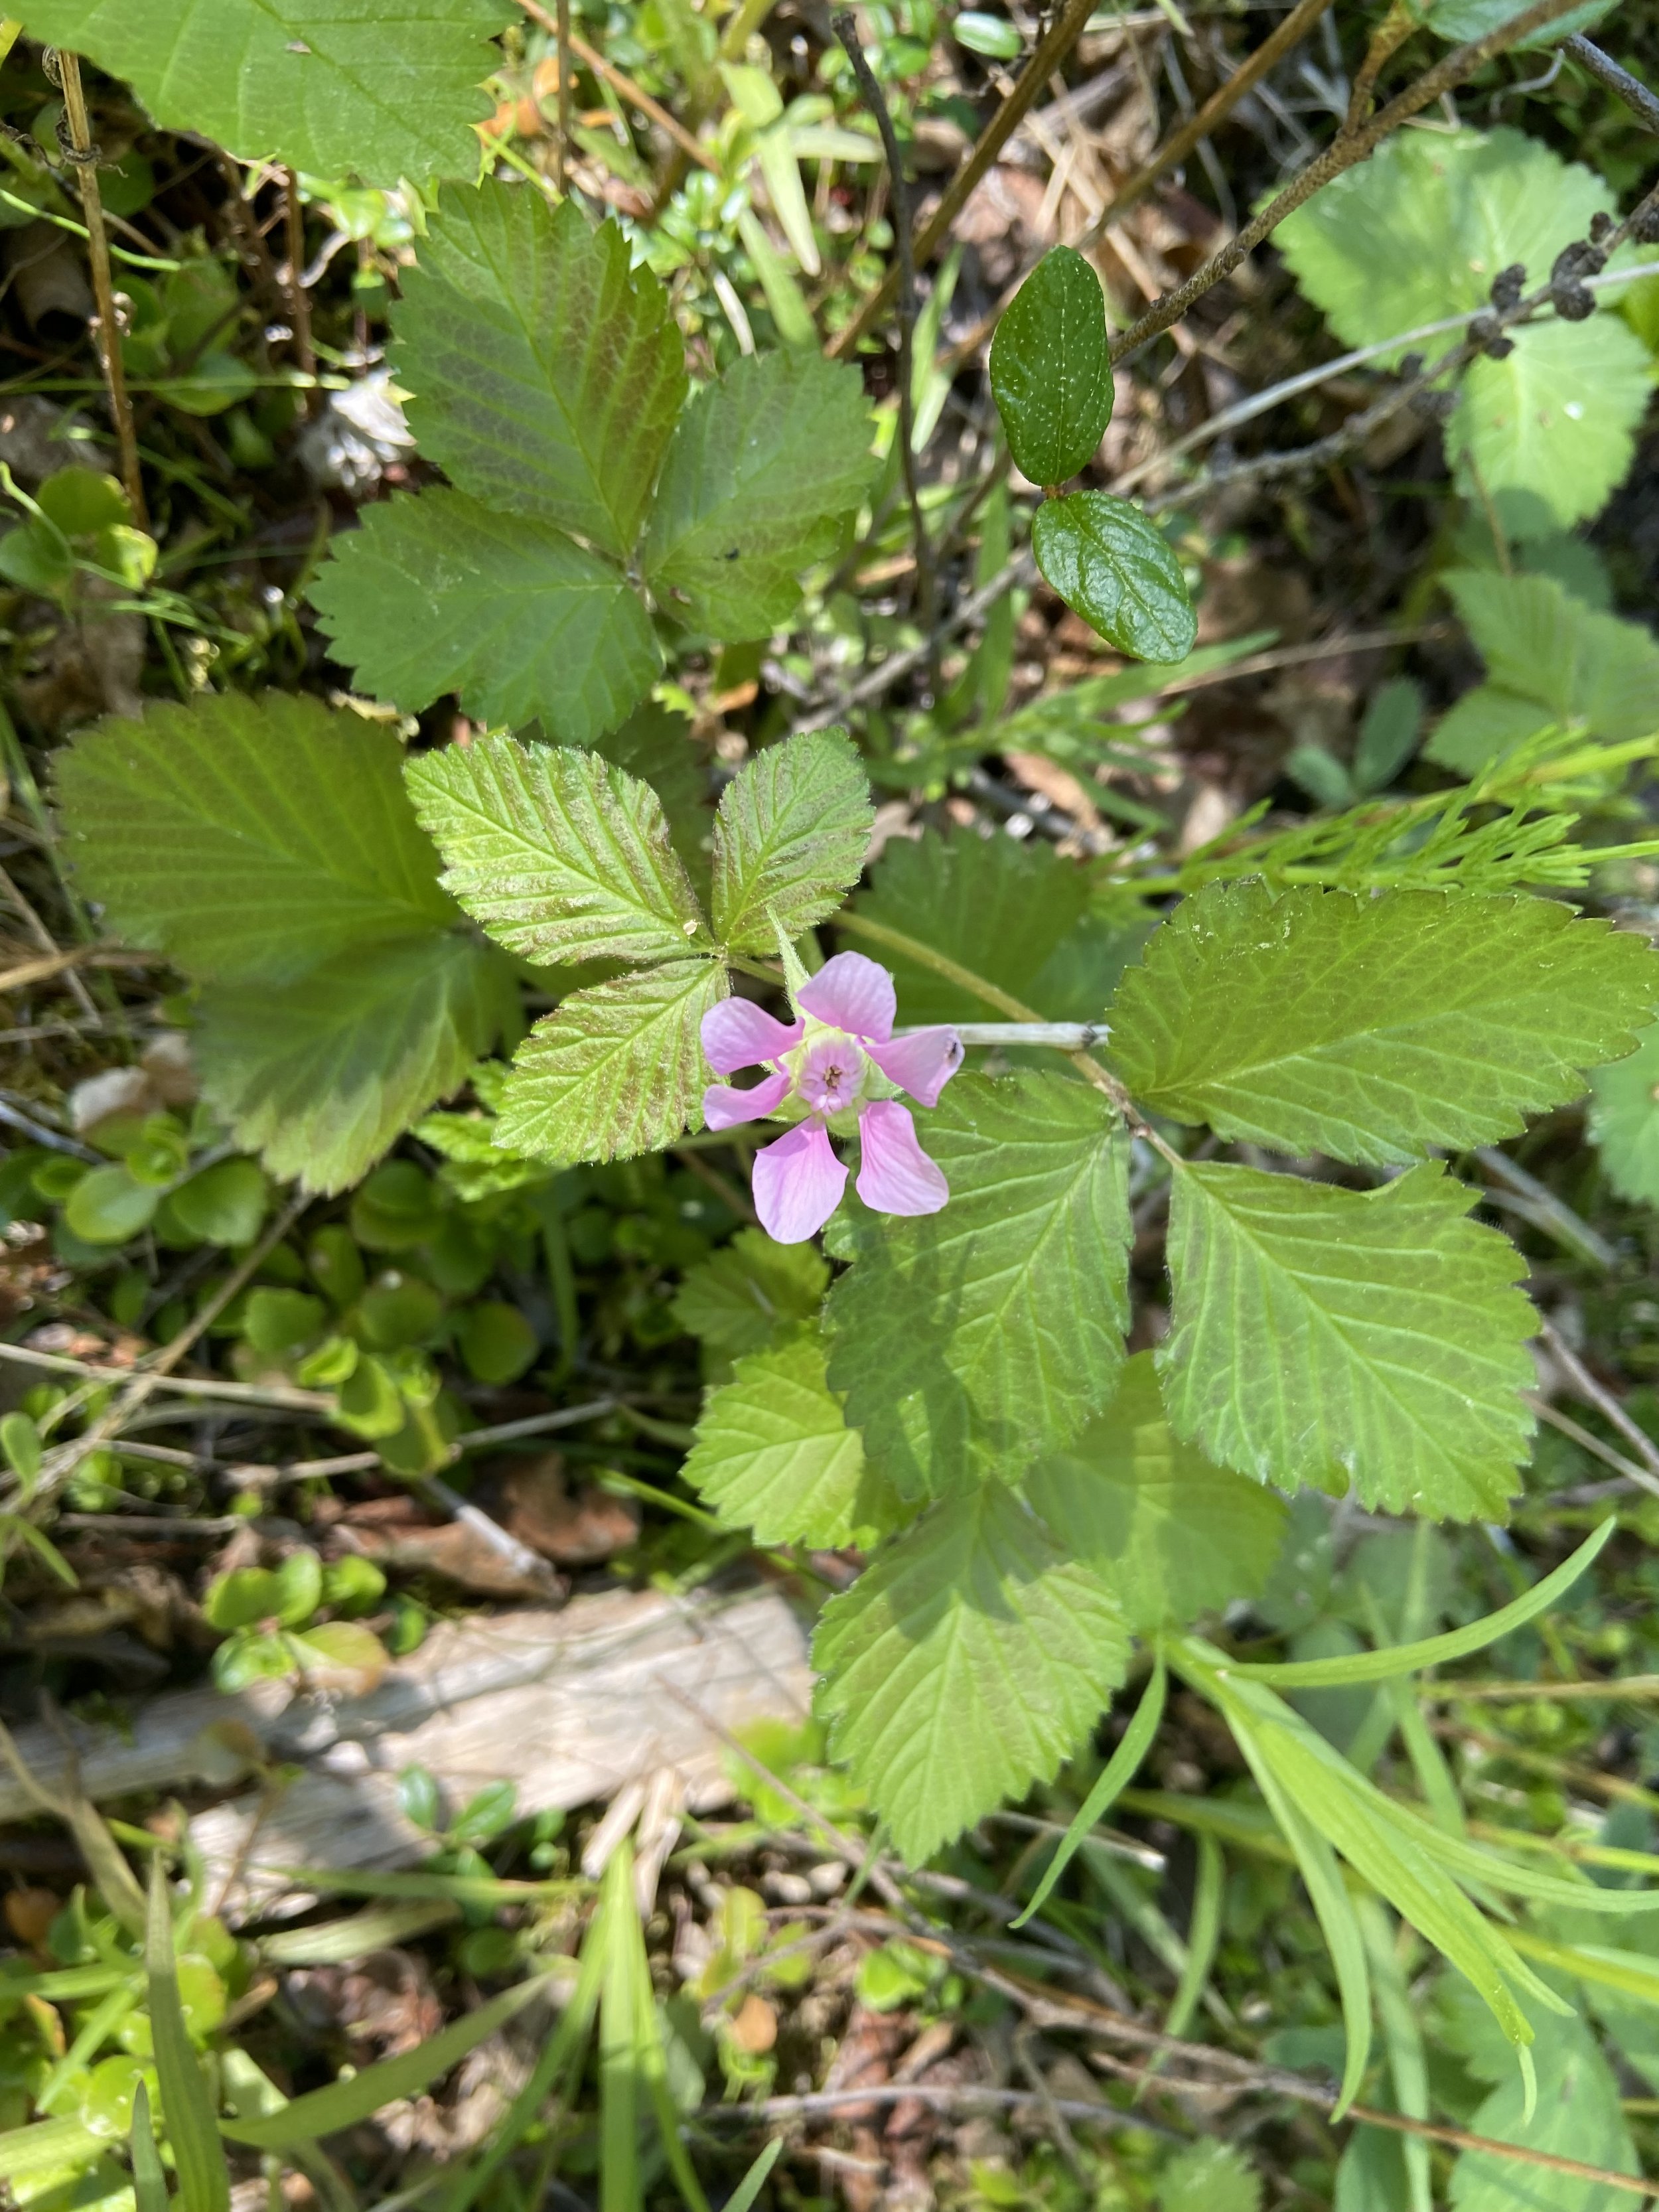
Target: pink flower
<point x="837" y="1066"/>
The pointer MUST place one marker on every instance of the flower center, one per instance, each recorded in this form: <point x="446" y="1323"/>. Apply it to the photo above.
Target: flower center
<point x="829" y="1071"/>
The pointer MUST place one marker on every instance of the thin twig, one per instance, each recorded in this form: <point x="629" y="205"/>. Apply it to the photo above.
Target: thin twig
<point x="1593" y="1445"/>
<point x="299" y="300"/>
<point x="1585" y="1386"/>
<point x="634" y="94"/>
<point x="1051" y="52"/>
<point x="1250" y="71"/>
<point x="1390" y="34"/>
<point x="899" y="196"/>
<point x="1345" y="153"/>
<point x="1631" y="89"/>
<point x="562" y="152"/>
<point x="84" y="154"/>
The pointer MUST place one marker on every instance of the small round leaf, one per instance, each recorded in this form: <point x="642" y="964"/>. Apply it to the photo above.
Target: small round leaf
<point x="107" y="1206"/>
<point x="224" y="1205"/>
<point x="1110" y="565"/>
<point x="1051" y="374"/>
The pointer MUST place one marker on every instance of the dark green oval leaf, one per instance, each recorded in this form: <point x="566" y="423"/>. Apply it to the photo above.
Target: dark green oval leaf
<point x="1110" y="566"/>
<point x="1050" y="373"/>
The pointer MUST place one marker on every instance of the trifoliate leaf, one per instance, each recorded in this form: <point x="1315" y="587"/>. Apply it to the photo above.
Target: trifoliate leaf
<point x="1118" y="571"/>
<point x="972" y="1340"/>
<point x="656" y="744"/>
<point x="1624" y="1121"/>
<point x="762" y="469"/>
<point x="1051" y="375"/>
<point x="999" y="907"/>
<point x="435" y="593"/>
<point x="789" y="839"/>
<point x="1374" y="1028"/>
<point x="967" y="1662"/>
<point x="1172" y="1535"/>
<point x="1418" y="233"/>
<point x="1327" y="1336"/>
<point x="1549" y="658"/>
<point x="320" y="1076"/>
<point x="772" y="1453"/>
<point x="546" y="375"/>
<point x="615" y="1070"/>
<point x="380" y="89"/>
<point x="559" y="853"/>
<point x="248" y="837"/>
<point x="739" y="1298"/>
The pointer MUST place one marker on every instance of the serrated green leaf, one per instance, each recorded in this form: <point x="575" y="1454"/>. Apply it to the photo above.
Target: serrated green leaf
<point x="772" y="1453"/>
<point x="972" y="1340"/>
<point x="614" y="1069"/>
<point x="762" y="469"/>
<point x="381" y="90"/>
<point x="318" y="1077"/>
<point x="789" y="839"/>
<point x="435" y="593"/>
<point x="1327" y="1336"/>
<point x="1174" y="1535"/>
<point x="560" y="854"/>
<point x="1374" y="1029"/>
<point x="656" y="744"/>
<point x="1000" y="907"/>
<point x="1549" y="658"/>
<point x="248" y="838"/>
<point x="967" y="1662"/>
<point x="1624" y="1121"/>
<point x="546" y="375"/>
<point x="1050" y="375"/>
<point x="1118" y="571"/>
<point x="1418" y="231"/>
<point x="1209" y="2177"/>
<point x="1576" y="2115"/>
<point x="738" y="1299"/>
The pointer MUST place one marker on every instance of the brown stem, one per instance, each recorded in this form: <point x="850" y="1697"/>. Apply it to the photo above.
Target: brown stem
<point x="299" y="300"/>
<point x="1043" y="62"/>
<point x="1255" y="66"/>
<point x="109" y="329"/>
<point x="1345" y="153"/>
<point x="1390" y="34"/>
<point x="847" y="31"/>
<point x="562" y="154"/>
<point x="1619" y="82"/>
<point x="637" y="96"/>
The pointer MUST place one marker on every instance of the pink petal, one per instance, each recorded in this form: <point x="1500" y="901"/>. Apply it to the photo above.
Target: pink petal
<point x="724" y="1106"/>
<point x="737" y="1034"/>
<point x="852" y="993"/>
<point x="895" y="1174"/>
<point x="922" y="1064"/>
<point x="797" y="1184"/>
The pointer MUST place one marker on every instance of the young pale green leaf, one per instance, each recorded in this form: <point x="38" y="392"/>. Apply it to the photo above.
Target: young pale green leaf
<point x="1172" y="1535"/>
<point x="561" y="854"/>
<point x="320" y="1076"/>
<point x="762" y="470"/>
<point x="1050" y="376"/>
<point x="1118" y="1772"/>
<point x="789" y="839"/>
<point x="436" y="594"/>
<point x="968" y="1661"/>
<point x="546" y="374"/>
<point x="1118" y="571"/>
<point x="192" y="2128"/>
<point x="773" y="1452"/>
<point x="1416" y="232"/>
<point x="973" y="1340"/>
<point x="1374" y="1028"/>
<point x="1624" y="1121"/>
<point x="1550" y="659"/>
<point x="1327" y="1336"/>
<point x="357" y="2097"/>
<point x="149" y="2182"/>
<point x="739" y="1298"/>
<point x="248" y="838"/>
<point x="614" y="1069"/>
<point x="381" y="90"/>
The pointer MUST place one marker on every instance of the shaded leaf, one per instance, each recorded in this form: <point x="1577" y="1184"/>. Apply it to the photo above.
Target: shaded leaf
<point x="1051" y="375"/>
<point x="561" y="854"/>
<point x="248" y="837"/>
<point x="1118" y="571"/>
<point x="967" y="1662"/>
<point x="789" y="839"/>
<point x="1624" y="1121"/>
<point x="614" y="1069"/>
<point x="1374" y="1028"/>
<point x="972" y="1340"/>
<point x="435" y="592"/>
<point x="1327" y="1336"/>
<point x="738" y="1299"/>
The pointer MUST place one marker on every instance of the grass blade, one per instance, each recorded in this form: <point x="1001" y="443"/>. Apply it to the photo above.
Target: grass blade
<point x="192" y="2129"/>
<point x="1202" y="1936"/>
<point x="149" y="2184"/>
<point x="749" y="2188"/>
<point x="1119" y="1772"/>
